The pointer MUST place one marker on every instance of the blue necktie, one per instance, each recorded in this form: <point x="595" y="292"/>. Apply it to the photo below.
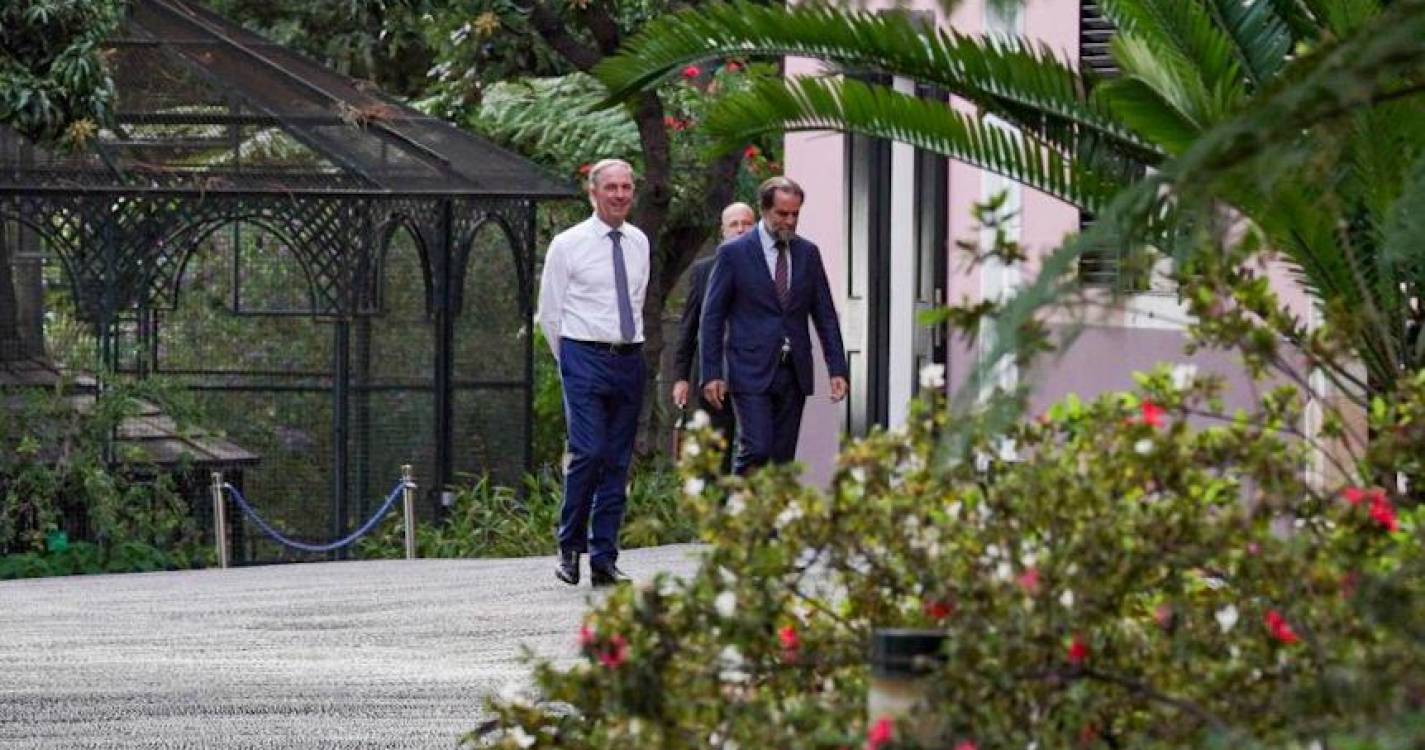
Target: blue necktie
<point x="625" y="305"/>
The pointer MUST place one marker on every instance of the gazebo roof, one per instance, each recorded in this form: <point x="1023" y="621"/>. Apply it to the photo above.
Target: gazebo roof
<point x="205" y="105"/>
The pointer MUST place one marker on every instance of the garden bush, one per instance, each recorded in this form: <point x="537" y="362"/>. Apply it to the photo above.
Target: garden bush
<point x="57" y="484"/>
<point x="1131" y="580"/>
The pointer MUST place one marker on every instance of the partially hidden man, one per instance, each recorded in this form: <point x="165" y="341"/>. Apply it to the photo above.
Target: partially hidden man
<point x="737" y="219"/>
<point x="764" y="289"/>
<point x="590" y="308"/>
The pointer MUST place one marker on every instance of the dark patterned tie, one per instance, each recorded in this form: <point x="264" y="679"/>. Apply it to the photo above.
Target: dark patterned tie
<point x="780" y="279"/>
<point x="625" y="305"/>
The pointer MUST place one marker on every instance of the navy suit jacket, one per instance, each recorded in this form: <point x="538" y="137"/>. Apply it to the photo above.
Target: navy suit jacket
<point x="741" y="303"/>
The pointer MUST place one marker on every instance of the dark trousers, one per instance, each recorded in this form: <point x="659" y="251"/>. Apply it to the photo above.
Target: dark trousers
<point x="723" y="420"/>
<point x="769" y="422"/>
<point x="603" y="393"/>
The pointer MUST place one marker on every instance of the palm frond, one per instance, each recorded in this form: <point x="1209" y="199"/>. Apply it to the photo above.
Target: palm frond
<point x="1022" y="83"/>
<point x="1167" y="74"/>
<point x="1298" y="19"/>
<point x="1185" y="28"/>
<point x="1260" y="38"/>
<point x="1343" y="17"/>
<point x="1146" y="110"/>
<point x="877" y="111"/>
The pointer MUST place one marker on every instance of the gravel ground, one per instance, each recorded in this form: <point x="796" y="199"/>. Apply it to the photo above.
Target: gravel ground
<point x="390" y="654"/>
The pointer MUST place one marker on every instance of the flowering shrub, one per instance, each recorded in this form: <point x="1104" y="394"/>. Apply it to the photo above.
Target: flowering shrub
<point x="1131" y="578"/>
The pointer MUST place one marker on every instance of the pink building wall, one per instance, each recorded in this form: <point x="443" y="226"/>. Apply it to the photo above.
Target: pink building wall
<point x="1105" y="353"/>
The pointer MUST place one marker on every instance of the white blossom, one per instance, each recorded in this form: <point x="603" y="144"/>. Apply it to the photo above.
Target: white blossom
<point x="735" y="504"/>
<point x="792" y="512"/>
<point x="1004" y="571"/>
<point x="932" y="376"/>
<point x="694" y="487"/>
<point x="1143" y="447"/>
<point x="1183" y="375"/>
<point x="726" y="605"/>
<point x="1226" y="618"/>
<point x="858" y="475"/>
<point x="700" y="420"/>
<point x="731" y="662"/>
<point x="691" y="447"/>
<point x="1067" y="599"/>
<point x="521" y="737"/>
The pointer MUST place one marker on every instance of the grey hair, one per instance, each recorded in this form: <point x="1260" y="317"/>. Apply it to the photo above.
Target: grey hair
<point x="601" y="165"/>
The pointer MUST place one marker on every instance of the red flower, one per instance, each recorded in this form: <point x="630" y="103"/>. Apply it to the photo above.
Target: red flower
<point x="1354" y="495"/>
<point x="787" y="636"/>
<point x="751" y="152"/>
<point x="1280" y="629"/>
<point x="939" y="610"/>
<point x="1383" y="513"/>
<point x="586" y="636"/>
<point x="880" y="734"/>
<point x="615" y="654"/>
<point x="1078" y="651"/>
<point x="1152" y="414"/>
<point x="1029" y="581"/>
<point x="732" y="66"/>
<point x="691" y="72"/>
<point x="584" y="168"/>
<point x="967" y="745"/>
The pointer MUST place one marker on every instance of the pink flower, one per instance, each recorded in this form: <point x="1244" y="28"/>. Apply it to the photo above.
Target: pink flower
<point x="732" y="66"/>
<point x="751" y="152"/>
<point x="1163" y="615"/>
<point x="1029" y="581"/>
<point x="1280" y="629"/>
<point x="939" y="610"/>
<point x="1078" y="651"/>
<point x="586" y="636"/>
<point x="615" y="654"/>
<point x="967" y="745"/>
<point x="691" y="72"/>
<point x="791" y="643"/>
<point x="1383" y="513"/>
<point x="1152" y="414"/>
<point x="880" y="734"/>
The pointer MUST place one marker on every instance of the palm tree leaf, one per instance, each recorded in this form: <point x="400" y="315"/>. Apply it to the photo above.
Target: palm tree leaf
<point x="878" y="111"/>
<point x="1142" y="107"/>
<point x="1185" y="28"/>
<point x="1170" y="76"/>
<point x="555" y="120"/>
<point x="1259" y="37"/>
<point x="1022" y="83"/>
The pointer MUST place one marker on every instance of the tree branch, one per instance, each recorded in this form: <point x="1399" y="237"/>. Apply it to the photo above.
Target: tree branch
<point x="546" y="21"/>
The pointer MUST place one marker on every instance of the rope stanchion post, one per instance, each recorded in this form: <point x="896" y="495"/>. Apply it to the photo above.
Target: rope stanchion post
<point x="408" y="496"/>
<point x="220" y="520"/>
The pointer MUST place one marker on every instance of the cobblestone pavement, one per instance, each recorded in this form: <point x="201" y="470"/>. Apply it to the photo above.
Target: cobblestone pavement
<point x="381" y="654"/>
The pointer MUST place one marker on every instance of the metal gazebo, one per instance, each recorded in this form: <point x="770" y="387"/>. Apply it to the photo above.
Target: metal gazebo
<point x="339" y="283"/>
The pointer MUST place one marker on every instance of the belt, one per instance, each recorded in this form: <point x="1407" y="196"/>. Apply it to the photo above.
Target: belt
<point x="610" y="347"/>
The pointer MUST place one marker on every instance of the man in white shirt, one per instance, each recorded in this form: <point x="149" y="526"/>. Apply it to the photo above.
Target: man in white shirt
<point x="590" y="308"/>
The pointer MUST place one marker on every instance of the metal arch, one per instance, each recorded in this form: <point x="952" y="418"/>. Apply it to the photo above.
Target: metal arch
<point x="464" y="249"/>
<point x="385" y="232"/>
<point x="50" y="240"/>
<point x="191" y="239"/>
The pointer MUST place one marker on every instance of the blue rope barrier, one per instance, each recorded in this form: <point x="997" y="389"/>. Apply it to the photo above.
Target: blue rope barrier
<point x="282" y="539"/>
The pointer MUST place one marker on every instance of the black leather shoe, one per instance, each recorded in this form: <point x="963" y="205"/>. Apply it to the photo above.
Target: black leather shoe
<point x="607" y="575"/>
<point x="568" y="568"/>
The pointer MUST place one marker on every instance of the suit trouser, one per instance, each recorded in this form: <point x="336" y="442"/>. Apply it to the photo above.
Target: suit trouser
<point x="603" y="393"/>
<point x="770" y="421"/>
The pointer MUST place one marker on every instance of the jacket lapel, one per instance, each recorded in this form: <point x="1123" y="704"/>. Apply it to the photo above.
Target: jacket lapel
<point x="759" y="266"/>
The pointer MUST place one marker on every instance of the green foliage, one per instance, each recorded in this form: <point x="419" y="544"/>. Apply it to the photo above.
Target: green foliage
<point x="53" y="469"/>
<point x="55" y="85"/>
<point x="489" y="520"/>
<point x="1213" y="592"/>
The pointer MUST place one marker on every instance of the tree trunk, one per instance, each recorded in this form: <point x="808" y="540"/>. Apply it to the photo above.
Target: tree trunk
<point x="11" y="345"/>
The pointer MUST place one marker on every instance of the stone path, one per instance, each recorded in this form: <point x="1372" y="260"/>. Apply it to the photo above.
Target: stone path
<point x="390" y="654"/>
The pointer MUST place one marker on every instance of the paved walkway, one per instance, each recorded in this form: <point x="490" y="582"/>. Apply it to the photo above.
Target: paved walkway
<point x="389" y="654"/>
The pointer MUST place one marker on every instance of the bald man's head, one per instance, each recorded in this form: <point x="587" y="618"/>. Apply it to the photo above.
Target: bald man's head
<point x="737" y="218"/>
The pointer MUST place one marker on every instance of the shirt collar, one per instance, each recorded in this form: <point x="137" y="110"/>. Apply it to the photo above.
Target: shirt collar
<point x="765" y="236"/>
<point x="601" y="229"/>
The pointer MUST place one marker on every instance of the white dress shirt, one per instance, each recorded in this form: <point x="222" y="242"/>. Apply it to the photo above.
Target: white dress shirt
<point x="577" y="295"/>
<point x="769" y="252"/>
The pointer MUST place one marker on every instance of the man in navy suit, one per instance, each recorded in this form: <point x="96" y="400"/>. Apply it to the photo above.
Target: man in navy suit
<point x="765" y="287"/>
